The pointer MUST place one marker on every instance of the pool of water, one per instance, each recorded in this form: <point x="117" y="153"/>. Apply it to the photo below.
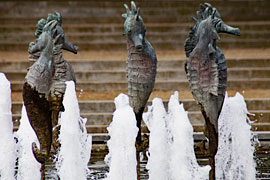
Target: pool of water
<point x="98" y="169"/>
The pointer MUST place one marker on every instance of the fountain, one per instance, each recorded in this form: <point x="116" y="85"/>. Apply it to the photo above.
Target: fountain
<point x="171" y="155"/>
<point x="171" y="142"/>
<point x="75" y="150"/>
<point x="73" y="156"/>
<point x="8" y="146"/>
<point x="235" y="160"/>
<point x="28" y="167"/>
<point x="155" y="120"/>
<point x="123" y="132"/>
<point x="181" y="144"/>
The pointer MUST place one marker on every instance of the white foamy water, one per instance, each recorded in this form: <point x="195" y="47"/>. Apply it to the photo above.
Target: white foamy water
<point x="122" y="152"/>
<point x="28" y="167"/>
<point x="7" y="142"/>
<point x="234" y="159"/>
<point x="158" y="146"/>
<point x="182" y="160"/>
<point x="171" y="148"/>
<point x="75" y="150"/>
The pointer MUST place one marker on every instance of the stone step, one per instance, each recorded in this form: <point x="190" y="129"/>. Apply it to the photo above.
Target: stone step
<point x="257" y="127"/>
<point x="109" y="12"/>
<point x="162" y="74"/>
<point x="253" y="104"/>
<point x="25" y="38"/>
<point x="98" y="122"/>
<point x="159" y="41"/>
<point x="162" y="5"/>
<point x="168" y="85"/>
<point x="100" y="150"/>
<point x="120" y="64"/>
<point x="176" y="11"/>
<point x="113" y="19"/>
<point x="157" y="44"/>
<point x="100" y="138"/>
<point x="104" y="118"/>
<point x="246" y="27"/>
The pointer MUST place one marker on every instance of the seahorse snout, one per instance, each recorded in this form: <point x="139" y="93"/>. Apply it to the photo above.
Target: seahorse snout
<point x="138" y="42"/>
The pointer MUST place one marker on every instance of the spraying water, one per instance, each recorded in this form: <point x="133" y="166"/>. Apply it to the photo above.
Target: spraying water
<point x="235" y="152"/>
<point x="122" y="152"/>
<point x="171" y="148"/>
<point x="75" y="150"/>
<point x="7" y="143"/>
<point x="28" y="167"/>
<point x="182" y="160"/>
<point x="158" y="159"/>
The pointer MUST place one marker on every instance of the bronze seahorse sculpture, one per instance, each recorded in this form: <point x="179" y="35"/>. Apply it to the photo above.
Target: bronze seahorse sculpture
<point x="207" y="71"/>
<point x="141" y="67"/>
<point x="36" y="93"/>
<point x="63" y="72"/>
<point x="49" y="71"/>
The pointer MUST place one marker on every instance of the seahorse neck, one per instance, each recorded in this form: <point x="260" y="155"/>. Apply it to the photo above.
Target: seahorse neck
<point x="58" y="55"/>
<point x="130" y="46"/>
<point x="46" y="52"/>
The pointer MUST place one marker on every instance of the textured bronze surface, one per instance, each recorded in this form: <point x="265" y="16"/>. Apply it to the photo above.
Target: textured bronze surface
<point x="141" y="68"/>
<point x="207" y="71"/>
<point x="45" y="86"/>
